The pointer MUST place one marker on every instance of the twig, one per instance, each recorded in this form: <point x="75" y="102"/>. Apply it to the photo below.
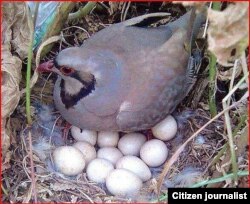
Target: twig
<point x="50" y="139"/>
<point x="38" y="56"/>
<point x="244" y="66"/>
<point x="52" y="130"/>
<point x="32" y="173"/>
<point x="232" y="78"/>
<point x="41" y="94"/>
<point x="243" y="118"/>
<point x="4" y="190"/>
<point x="124" y="15"/>
<point x="226" y="145"/>
<point x="103" y="5"/>
<point x="90" y="200"/>
<point x="171" y="161"/>
<point x="78" y="28"/>
<point x="206" y="25"/>
<point x="229" y="128"/>
<point x="82" y="11"/>
<point x="44" y="44"/>
<point x="206" y="182"/>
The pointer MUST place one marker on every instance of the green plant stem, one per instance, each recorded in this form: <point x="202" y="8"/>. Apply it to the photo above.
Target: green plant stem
<point x="229" y="129"/>
<point x="216" y="6"/>
<point x="220" y="179"/>
<point x="29" y="120"/>
<point x="28" y="90"/>
<point x="212" y="73"/>
<point x="28" y="74"/>
<point x="82" y="11"/>
<point x="225" y="146"/>
<point x="212" y="78"/>
<point x="206" y="182"/>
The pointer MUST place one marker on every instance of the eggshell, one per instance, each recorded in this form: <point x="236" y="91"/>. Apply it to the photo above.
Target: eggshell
<point x="130" y="144"/>
<point x="166" y="129"/>
<point x="68" y="160"/>
<point x="87" y="150"/>
<point x="84" y="135"/>
<point x="122" y="182"/>
<point x="135" y="165"/>
<point x="107" y="139"/>
<point x="154" y="152"/>
<point x="98" y="169"/>
<point x="111" y="154"/>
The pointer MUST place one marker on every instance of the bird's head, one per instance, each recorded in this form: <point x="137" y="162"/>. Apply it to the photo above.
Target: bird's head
<point x="81" y="72"/>
<point x="77" y="80"/>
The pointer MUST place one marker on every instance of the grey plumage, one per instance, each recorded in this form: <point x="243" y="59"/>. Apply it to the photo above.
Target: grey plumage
<point x="125" y="77"/>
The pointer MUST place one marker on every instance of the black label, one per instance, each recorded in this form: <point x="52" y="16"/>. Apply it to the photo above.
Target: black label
<point x="208" y="195"/>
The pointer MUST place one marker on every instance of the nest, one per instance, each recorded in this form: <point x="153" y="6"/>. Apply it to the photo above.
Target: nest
<point x="201" y="159"/>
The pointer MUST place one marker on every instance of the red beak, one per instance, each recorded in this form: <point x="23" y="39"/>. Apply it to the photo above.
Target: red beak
<point x="46" y="66"/>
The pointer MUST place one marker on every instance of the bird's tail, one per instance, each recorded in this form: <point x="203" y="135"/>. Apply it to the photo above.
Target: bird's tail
<point x="195" y="58"/>
<point x="196" y="21"/>
<point x="191" y="22"/>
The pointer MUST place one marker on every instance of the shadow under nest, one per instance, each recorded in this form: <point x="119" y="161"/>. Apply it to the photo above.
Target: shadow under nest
<point x="193" y="164"/>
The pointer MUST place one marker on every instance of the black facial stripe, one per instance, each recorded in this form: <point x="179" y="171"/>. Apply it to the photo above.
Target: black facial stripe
<point x="71" y="100"/>
<point x="55" y="63"/>
<point x="76" y="76"/>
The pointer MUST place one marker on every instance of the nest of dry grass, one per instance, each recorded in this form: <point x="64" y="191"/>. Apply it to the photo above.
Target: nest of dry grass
<point x="203" y="158"/>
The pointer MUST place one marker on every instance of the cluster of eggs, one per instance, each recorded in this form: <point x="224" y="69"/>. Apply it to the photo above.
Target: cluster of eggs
<point x="121" y="163"/>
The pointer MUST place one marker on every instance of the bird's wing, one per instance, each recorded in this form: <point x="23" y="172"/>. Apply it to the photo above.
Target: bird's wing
<point x="112" y="49"/>
<point x="131" y="34"/>
<point x="158" y="82"/>
<point x="138" y="51"/>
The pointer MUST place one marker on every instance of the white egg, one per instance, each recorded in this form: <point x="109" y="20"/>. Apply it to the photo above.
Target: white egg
<point x="87" y="150"/>
<point x="111" y="154"/>
<point x="98" y="169"/>
<point x="122" y="182"/>
<point x="135" y="165"/>
<point x="68" y="160"/>
<point x="107" y="139"/>
<point x="130" y="144"/>
<point x="84" y="135"/>
<point x="166" y="129"/>
<point x="154" y="152"/>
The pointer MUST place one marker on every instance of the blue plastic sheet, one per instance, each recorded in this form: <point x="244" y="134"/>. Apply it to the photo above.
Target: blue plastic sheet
<point x="45" y="17"/>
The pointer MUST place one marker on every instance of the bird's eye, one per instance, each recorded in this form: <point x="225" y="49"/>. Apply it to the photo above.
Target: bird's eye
<point x="66" y="70"/>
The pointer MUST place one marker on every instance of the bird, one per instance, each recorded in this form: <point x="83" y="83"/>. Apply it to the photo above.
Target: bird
<point x="128" y="76"/>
